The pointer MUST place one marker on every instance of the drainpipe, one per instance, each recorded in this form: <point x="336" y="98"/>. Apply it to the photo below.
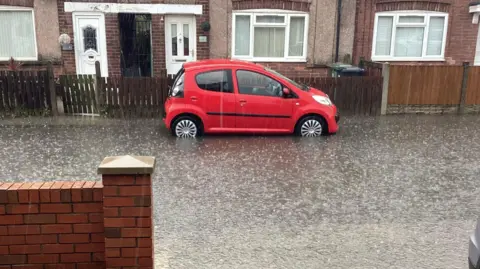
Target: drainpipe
<point x="339" y="17"/>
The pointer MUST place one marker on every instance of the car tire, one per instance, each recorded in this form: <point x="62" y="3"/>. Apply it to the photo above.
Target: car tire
<point x="311" y="126"/>
<point x="187" y="127"/>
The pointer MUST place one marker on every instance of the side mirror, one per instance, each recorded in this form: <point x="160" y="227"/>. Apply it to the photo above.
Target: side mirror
<point x="286" y="92"/>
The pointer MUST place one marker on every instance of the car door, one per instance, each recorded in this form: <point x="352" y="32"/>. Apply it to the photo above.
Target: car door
<point x="218" y="98"/>
<point x="260" y="103"/>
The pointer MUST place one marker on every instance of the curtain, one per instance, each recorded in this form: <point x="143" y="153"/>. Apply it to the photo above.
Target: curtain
<point x="435" y="36"/>
<point x="384" y="36"/>
<point x="409" y="42"/>
<point x="17" y="37"/>
<point x="242" y="35"/>
<point x="297" y="30"/>
<point x="269" y="42"/>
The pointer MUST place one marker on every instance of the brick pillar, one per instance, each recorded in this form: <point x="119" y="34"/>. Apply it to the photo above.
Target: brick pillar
<point x="127" y="207"/>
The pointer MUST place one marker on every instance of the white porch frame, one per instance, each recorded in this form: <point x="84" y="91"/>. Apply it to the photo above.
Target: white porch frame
<point x="133" y="8"/>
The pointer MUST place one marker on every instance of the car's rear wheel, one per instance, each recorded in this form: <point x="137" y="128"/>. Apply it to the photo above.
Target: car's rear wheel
<point x="311" y="126"/>
<point x="186" y="127"/>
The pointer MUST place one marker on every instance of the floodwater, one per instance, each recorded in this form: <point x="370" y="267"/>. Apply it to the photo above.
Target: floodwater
<point x="386" y="192"/>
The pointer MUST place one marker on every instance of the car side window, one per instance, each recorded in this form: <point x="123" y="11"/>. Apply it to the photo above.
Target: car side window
<point x="216" y="81"/>
<point x="253" y="83"/>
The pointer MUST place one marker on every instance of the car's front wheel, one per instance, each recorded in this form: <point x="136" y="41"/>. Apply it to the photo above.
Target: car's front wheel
<point x="311" y="126"/>
<point x="186" y="127"/>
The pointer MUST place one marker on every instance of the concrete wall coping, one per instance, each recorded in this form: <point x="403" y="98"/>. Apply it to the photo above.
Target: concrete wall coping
<point x="127" y="165"/>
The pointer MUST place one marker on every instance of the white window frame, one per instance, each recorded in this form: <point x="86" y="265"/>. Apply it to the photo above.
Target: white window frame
<point x="23" y="9"/>
<point x="287" y="14"/>
<point x="426" y="24"/>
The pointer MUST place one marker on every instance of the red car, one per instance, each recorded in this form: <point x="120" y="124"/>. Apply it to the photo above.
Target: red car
<point x="228" y="96"/>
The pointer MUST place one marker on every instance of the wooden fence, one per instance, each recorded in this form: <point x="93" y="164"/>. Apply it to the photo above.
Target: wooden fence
<point x="138" y="97"/>
<point x="371" y="68"/>
<point x="425" y="85"/>
<point x="117" y="97"/>
<point x="144" y="97"/>
<point x="78" y="94"/>
<point x="25" y="91"/>
<point x="433" y="89"/>
<point x="352" y="95"/>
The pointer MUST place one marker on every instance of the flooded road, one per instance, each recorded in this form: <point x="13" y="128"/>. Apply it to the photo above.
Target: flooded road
<point x="391" y="192"/>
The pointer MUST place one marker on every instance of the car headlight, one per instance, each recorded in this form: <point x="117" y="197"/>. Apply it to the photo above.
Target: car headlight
<point x="324" y="100"/>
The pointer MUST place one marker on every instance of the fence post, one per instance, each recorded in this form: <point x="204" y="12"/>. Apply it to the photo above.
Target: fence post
<point x="98" y="85"/>
<point x="463" y="92"/>
<point x="52" y="89"/>
<point x="386" y="80"/>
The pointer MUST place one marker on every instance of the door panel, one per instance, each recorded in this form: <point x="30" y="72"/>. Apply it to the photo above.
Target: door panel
<point x="214" y="91"/>
<point x="180" y="41"/>
<point x="260" y="103"/>
<point x="261" y="112"/>
<point x="90" y="45"/>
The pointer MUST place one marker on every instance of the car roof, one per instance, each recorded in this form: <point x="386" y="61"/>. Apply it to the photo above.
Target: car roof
<point x="219" y="63"/>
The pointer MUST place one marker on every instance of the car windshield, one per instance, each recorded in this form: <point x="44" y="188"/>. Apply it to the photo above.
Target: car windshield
<point x="301" y="86"/>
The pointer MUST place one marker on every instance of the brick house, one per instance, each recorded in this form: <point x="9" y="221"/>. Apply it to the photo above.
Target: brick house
<point x="417" y="31"/>
<point x="145" y="37"/>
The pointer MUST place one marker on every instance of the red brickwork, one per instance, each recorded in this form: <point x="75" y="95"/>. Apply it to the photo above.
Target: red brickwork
<point x="461" y="33"/>
<point x="297" y="69"/>
<point x="18" y="3"/>
<point x="299" y="5"/>
<point x="128" y="223"/>
<point x="77" y="225"/>
<point x="51" y="225"/>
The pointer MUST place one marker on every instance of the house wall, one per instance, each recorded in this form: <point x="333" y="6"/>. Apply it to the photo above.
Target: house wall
<point x="461" y="33"/>
<point x="113" y="35"/>
<point x="46" y="27"/>
<point x="46" y="21"/>
<point x="321" y="31"/>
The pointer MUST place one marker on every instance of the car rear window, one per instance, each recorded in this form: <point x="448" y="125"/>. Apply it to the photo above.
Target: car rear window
<point x="217" y="81"/>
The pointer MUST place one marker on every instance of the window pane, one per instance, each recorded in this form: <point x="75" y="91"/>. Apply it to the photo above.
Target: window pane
<point x="89" y="38"/>
<point x="435" y="36"/>
<point x="384" y="36"/>
<point x="409" y="42"/>
<point x="297" y="30"/>
<point x="269" y="42"/>
<point x="411" y="19"/>
<point x="174" y="40"/>
<point x="270" y="19"/>
<point x="242" y="35"/>
<point x="186" y="39"/>
<point x="257" y="84"/>
<point x="17" y="38"/>
<point x="218" y="81"/>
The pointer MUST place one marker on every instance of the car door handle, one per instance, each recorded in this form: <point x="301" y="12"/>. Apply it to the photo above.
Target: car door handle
<point x="243" y="102"/>
<point x="193" y="98"/>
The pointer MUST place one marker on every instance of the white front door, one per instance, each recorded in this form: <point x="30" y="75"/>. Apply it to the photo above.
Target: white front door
<point x="90" y="43"/>
<point x="180" y="33"/>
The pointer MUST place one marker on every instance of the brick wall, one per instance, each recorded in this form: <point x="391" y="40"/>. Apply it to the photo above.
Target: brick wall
<point x="461" y="33"/>
<point x="297" y="69"/>
<point x="51" y="225"/>
<point x="76" y="225"/>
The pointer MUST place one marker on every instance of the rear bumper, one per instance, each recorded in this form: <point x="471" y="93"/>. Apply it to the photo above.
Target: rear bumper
<point x="337" y="118"/>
